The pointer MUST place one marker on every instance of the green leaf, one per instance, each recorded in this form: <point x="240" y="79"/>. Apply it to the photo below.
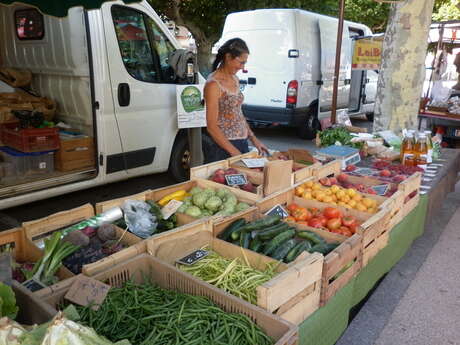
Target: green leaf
<point x="7" y="302"/>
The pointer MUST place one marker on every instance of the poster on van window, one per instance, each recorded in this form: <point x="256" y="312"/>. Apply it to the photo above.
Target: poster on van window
<point x="191" y="112"/>
<point x="367" y="54"/>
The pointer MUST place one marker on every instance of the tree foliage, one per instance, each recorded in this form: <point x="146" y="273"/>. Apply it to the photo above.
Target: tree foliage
<point x="446" y="10"/>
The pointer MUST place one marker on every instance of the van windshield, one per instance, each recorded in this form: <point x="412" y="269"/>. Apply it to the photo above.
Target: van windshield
<point x="264" y="57"/>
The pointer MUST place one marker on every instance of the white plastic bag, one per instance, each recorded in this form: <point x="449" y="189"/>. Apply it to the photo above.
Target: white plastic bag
<point x="139" y="219"/>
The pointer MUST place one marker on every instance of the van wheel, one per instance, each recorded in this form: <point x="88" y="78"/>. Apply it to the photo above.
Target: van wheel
<point x="179" y="164"/>
<point x="370" y="117"/>
<point x="308" y="131"/>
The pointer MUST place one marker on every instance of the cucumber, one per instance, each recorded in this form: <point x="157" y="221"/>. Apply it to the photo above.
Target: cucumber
<point x="324" y="248"/>
<point x="245" y="239"/>
<point x="259" y="224"/>
<point x="312" y="237"/>
<point x="269" y="233"/>
<point x="275" y="242"/>
<point x="256" y="245"/>
<point x="225" y="235"/>
<point x="297" y="250"/>
<point x="281" y="252"/>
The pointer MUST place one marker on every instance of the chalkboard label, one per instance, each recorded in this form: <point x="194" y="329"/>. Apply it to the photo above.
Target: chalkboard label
<point x="381" y="189"/>
<point x="236" y="179"/>
<point x="193" y="257"/>
<point x="364" y="172"/>
<point x="277" y="210"/>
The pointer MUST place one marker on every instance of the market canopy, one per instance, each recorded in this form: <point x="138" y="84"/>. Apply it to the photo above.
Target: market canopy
<point x="59" y="8"/>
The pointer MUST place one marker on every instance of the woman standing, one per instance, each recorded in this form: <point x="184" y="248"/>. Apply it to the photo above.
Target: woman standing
<point x="226" y="125"/>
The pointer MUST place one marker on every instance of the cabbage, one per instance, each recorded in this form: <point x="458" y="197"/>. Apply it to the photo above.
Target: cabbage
<point x="222" y="193"/>
<point x="200" y="199"/>
<point x="183" y="208"/>
<point x="241" y="207"/>
<point x="213" y="203"/>
<point x="230" y="200"/>
<point x="205" y="213"/>
<point x="209" y="192"/>
<point x="10" y="331"/>
<point x="193" y="211"/>
<point x="195" y="190"/>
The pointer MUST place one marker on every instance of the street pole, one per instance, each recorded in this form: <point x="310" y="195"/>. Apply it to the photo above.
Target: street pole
<point x="195" y="147"/>
<point x="337" y="61"/>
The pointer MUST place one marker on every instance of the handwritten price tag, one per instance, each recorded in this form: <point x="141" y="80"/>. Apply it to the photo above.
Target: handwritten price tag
<point x="255" y="162"/>
<point x="193" y="257"/>
<point x="85" y="291"/>
<point x="236" y="179"/>
<point x="277" y="210"/>
<point x="170" y="208"/>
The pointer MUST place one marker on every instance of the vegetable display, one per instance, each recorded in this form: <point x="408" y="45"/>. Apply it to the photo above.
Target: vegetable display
<point x="208" y="202"/>
<point x="146" y="314"/>
<point x="331" y="136"/>
<point x="219" y="177"/>
<point x="8" y="306"/>
<point x="279" y="240"/>
<point x="231" y="275"/>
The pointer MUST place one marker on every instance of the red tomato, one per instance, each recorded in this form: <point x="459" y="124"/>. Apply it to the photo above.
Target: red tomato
<point x="315" y="223"/>
<point x="323" y="220"/>
<point x="314" y="212"/>
<point x="353" y="227"/>
<point x="348" y="221"/>
<point x="334" y="223"/>
<point x="331" y="212"/>
<point x="345" y="231"/>
<point x="292" y="207"/>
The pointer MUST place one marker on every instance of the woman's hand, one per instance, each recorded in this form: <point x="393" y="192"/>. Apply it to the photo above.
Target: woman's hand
<point x="260" y="146"/>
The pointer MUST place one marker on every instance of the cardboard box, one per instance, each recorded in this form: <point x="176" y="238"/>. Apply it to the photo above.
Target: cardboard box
<point x="75" y="154"/>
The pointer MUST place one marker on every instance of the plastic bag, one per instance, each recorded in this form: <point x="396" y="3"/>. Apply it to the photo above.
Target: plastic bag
<point x="139" y="219"/>
<point x="440" y="95"/>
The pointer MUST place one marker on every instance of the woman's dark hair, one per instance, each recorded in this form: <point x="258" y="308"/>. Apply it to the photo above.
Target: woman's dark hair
<point x="235" y="47"/>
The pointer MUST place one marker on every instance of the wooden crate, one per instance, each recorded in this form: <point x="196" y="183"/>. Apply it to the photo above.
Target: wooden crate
<point x="298" y="282"/>
<point x="159" y="193"/>
<point x="168" y="277"/>
<point x="299" y="307"/>
<point x="301" y="172"/>
<point x="75" y="154"/>
<point x="38" y="229"/>
<point x="25" y="251"/>
<point x="204" y="172"/>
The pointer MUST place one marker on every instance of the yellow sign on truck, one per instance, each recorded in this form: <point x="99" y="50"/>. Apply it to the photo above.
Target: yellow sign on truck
<point x="367" y="54"/>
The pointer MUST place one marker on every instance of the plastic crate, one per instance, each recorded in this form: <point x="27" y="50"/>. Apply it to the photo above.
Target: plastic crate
<point x="28" y="164"/>
<point x="30" y="139"/>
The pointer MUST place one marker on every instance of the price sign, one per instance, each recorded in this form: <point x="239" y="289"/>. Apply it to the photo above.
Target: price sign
<point x="381" y="189"/>
<point x="277" y="210"/>
<point x="193" y="257"/>
<point x="85" y="291"/>
<point x="236" y="179"/>
<point x="255" y="162"/>
<point x="170" y="208"/>
<point x="364" y="172"/>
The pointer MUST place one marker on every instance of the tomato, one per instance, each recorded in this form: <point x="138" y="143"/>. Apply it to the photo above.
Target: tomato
<point x="331" y="212"/>
<point x="334" y="223"/>
<point x="315" y="223"/>
<point x="290" y="219"/>
<point x="353" y="227"/>
<point x="322" y="219"/>
<point x="292" y="207"/>
<point x="345" y="231"/>
<point x="348" y="221"/>
<point x="301" y="213"/>
<point x="314" y="211"/>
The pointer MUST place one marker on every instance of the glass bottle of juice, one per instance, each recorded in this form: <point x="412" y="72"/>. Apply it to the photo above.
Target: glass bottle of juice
<point x="408" y="150"/>
<point x="430" y="147"/>
<point x="421" y="151"/>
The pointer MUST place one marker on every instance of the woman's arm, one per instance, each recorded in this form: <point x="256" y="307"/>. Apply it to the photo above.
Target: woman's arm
<point x="257" y="143"/>
<point x="211" y="96"/>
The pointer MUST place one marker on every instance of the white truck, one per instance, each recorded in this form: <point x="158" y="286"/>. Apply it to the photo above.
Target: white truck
<point x="107" y="69"/>
<point x="289" y="76"/>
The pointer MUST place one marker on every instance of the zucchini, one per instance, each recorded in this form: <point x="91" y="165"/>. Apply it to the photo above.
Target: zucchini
<point x="312" y="237"/>
<point x="297" y="250"/>
<point x="256" y="245"/>
<point x="281" y="252"/>
<point x="245" y="239"/>
<point x="269" y="233"/>
<point x="324" y="248"/>
<point x="275" y="242"/>
<point x="225" y="235"/>
<point x="256" y="225"/>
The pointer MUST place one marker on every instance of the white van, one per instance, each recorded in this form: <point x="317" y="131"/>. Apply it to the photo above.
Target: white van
<point x="290" y="70"/>
<point x="107" y="69"/>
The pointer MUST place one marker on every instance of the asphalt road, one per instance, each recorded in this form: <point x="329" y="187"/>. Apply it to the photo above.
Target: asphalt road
<point x="275" y="138"/>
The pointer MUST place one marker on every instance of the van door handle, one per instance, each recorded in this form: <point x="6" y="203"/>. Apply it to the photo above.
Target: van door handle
<point x="347" y="81"/>
<point x="252" y="81"/>
<point x="124" y="95"/>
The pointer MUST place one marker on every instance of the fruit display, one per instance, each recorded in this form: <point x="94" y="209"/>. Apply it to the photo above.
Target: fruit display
<point x="208" y="202"/>
<point x="343" y="180"/>
<point x="274" y="238"/>
<point x="388" y="172"/>
<point x="219" y="177"/>
<point x="330" y="219"/>
<point x="336" y="195"/>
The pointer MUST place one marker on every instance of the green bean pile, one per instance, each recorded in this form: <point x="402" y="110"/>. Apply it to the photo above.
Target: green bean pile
<point x="233" y="276"/>
<point x="148" y="315"/>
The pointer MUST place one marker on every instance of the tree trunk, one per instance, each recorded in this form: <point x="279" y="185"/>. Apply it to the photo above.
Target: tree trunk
<point x="204" y="48"/>
<point x="402" y="73"/>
